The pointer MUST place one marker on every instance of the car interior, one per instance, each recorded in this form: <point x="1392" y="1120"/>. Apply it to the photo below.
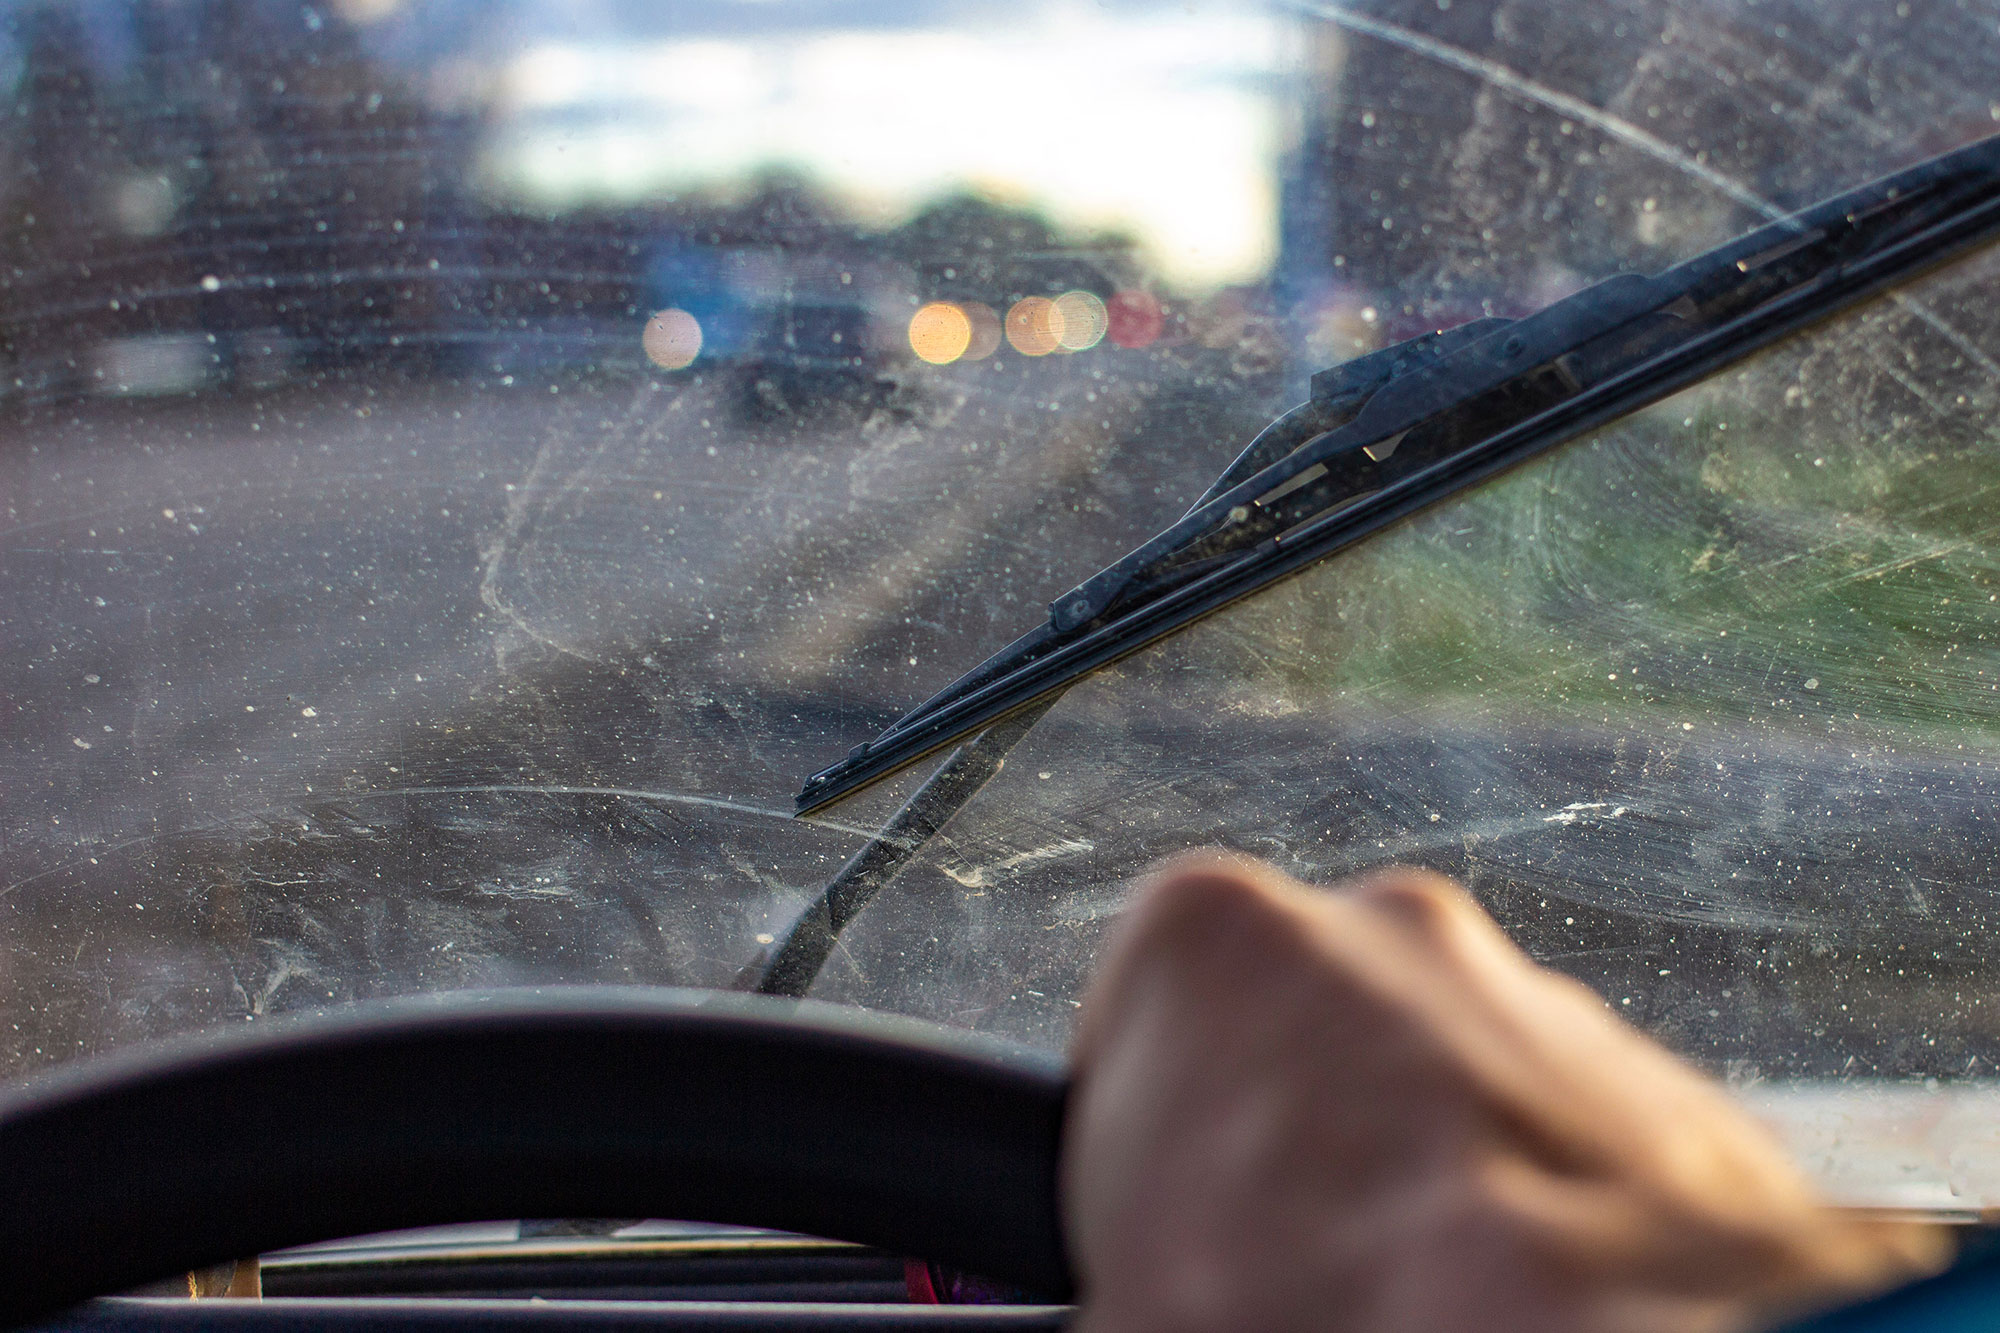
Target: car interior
<point x="599" y="604"/>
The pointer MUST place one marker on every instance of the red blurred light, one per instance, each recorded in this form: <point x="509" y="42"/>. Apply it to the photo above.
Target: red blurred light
<point x="1135" y="318"/>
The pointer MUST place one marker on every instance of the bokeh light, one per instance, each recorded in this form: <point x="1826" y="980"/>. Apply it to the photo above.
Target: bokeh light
<point x="1133" y="318"/>
<point x="1034" y="326"/>
<point x="940" y="333"/>
<point x="672" y="339"/>
<point x="985" y="322"/>
<point x="1082" y="321"/>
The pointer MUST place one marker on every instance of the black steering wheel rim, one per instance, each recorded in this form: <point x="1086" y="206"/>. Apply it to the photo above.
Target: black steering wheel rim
<point x="560" y="1102"/>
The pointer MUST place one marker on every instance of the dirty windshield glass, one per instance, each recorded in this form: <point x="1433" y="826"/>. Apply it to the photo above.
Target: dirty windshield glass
<point x="462" y="465"/>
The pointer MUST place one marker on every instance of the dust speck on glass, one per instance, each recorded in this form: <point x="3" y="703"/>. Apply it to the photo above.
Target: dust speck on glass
<point x="462" y="464"/>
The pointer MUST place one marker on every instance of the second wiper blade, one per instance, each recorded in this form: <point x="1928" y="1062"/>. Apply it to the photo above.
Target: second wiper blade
<point x="1405" y="427"/>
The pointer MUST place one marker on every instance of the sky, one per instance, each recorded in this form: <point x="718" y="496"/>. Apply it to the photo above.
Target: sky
<point x="1165" y="121"/>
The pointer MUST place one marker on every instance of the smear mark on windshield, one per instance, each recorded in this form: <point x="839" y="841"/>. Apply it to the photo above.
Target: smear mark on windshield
<point x="988" y="873"/>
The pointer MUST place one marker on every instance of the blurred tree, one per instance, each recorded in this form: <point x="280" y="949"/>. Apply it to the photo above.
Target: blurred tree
<point x="59" y="144"/>
<point x="1499" y="153"/>
<point x="248" y="169"/>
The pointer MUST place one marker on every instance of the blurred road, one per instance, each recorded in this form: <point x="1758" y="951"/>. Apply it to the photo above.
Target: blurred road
<point x="550" y="654"/>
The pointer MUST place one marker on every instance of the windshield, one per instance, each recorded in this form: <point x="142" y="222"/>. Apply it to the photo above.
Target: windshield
<point x="463" y="466"/>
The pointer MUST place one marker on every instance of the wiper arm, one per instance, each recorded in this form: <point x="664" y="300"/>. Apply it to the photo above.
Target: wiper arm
<point x="1404" y="427"/>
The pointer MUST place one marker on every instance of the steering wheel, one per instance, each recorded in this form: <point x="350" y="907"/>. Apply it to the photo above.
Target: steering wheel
<point x="593" y="1102"/>
<point x="596" y="1102"/>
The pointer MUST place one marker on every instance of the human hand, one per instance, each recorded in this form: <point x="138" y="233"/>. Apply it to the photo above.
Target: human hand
<point x="1365" y="1110"/>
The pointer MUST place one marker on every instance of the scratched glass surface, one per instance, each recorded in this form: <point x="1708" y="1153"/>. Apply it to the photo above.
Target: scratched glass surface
<point x="1702" y="707"/>
<point x="461" y="465"/>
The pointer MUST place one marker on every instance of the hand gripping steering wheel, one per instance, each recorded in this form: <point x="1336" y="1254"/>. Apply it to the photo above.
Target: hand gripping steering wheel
<point x="588" y="1102"/>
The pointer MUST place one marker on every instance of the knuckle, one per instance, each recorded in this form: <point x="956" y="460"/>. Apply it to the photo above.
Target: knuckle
<point x="1209" y="900"/>
<point x="1420" y="900"/>
<point x="1202" y="886"/>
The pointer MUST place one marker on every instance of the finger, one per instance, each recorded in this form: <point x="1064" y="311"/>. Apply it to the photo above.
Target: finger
<point x="1205" y="915"/>
<point x="1584" y="1089"/>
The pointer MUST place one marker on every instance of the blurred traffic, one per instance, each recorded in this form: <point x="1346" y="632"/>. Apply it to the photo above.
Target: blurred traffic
<point x="233" y="194"/>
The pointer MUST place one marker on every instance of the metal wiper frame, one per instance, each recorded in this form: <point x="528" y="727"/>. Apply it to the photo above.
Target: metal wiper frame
<point x="1405" y="427"/>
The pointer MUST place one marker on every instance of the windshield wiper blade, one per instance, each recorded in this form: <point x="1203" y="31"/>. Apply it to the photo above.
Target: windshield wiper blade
<point x="1405" y="427"/>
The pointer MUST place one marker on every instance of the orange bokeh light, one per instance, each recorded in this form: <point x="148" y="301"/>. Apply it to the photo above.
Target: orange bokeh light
<point x="986" y="334"/>
<point x="1034" y="326"/>
<point x="940" y="333"/>
<point x="672" y="339"/>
